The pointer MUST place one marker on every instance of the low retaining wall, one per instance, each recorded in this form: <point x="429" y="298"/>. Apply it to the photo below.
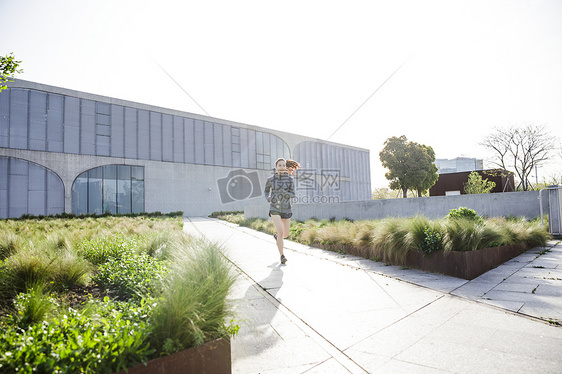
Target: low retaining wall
<point x="209" y="358"/>
<point x="466" y="265"/>
<point x="505" y="204"/>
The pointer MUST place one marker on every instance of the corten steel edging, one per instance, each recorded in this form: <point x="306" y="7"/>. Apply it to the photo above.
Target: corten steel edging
<point x="466" y="264"/>
<point x="213" y="357"/>
<point x="460" y="264"/>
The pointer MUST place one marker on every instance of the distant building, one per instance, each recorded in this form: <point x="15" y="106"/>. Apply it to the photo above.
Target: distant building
<point x="68" y="151"/>
<point x="458" y="164"/>
<point x="453" y="183"/>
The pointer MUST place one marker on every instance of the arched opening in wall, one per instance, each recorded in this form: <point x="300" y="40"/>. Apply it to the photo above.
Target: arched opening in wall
<point x="115" y="189"/>
<point x="29" y="188"/>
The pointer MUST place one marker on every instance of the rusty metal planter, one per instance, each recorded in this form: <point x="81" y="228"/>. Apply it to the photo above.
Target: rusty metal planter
<point x="209" y="358"/>
<point x="466" y="265"/>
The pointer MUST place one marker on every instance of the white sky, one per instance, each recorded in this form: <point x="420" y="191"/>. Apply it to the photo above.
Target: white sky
<point x="306" y="66"/>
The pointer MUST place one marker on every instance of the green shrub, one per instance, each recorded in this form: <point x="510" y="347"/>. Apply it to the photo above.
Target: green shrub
<point x="465" y="213"/>
<point x="104" y="338"/>
<point x="130" y="274"/>
<point x="100" y="250"/>
<point x="431" y="242"/>
<point x="295" y="232"/>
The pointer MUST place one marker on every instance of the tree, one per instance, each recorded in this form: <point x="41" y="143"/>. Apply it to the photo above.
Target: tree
<point x="521" y="148"/>
<point x="477" y="185"/>
<point x="426" y="157"/>
<point x="8" y="68"/>
<point x="411" y="165"/>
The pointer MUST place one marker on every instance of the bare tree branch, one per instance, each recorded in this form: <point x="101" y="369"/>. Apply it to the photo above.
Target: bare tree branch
<point x="521" y="148"/>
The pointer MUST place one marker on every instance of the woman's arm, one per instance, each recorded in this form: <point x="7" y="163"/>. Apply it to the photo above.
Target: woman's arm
<point x="267" y="190"/>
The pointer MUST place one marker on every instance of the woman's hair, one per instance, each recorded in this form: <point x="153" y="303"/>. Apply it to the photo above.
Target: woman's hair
<point x="292" y="165"/>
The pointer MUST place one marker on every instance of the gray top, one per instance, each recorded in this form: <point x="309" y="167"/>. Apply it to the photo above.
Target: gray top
<point x="279" y="189"/>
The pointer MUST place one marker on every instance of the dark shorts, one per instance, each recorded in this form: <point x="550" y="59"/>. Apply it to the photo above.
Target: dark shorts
<point x="283" y="215"/>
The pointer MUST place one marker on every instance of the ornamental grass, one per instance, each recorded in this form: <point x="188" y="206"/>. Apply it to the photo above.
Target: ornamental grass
<point x="392" y="238"/>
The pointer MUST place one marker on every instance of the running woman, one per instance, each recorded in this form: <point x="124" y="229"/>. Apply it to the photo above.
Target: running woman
<point x="279" y="189"/>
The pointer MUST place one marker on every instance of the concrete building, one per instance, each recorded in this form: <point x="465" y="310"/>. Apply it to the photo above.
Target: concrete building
<point x="74" y="152"/>
<point x="458" y="164"/>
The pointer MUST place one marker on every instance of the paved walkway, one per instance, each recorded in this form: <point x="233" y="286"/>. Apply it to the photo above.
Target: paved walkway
<point x="328" y="313"/>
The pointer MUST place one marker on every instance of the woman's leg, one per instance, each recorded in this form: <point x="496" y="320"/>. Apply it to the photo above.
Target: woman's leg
<point x="286" y="227"/>
<point x="280" y="231"/>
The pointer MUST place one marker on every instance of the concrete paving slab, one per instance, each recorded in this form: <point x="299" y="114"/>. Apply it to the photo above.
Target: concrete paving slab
<point x="474" y="290"/>
<point x="401" y="367"/>
<point x="545" y="309"/>
<point x="549" y="290"/>
<point x="329" y="366"/>
<point x="515" y="286"/>
<point x="514" y="306"/>
<point x="496" y="275"/>
<point x="323" y="312"/>
<point x="370" y="361"/>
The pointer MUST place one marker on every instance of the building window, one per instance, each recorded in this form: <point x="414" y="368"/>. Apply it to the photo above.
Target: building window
<point x="29" y="188"/>
<point x="115" y="189"/>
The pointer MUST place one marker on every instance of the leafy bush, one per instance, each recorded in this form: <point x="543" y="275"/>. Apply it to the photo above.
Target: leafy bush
<point x="100" y="250"/>
<point x="105" y="337"/>
<point x="295" y="231"/>
<point x="465" y="213"/>
<point x="130" y="275"/>
<point x="431" y="242"/>
<point x="120" y="266"/>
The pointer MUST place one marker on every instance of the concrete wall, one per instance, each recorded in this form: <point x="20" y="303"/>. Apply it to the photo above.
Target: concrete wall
<point x="492" y="205"/>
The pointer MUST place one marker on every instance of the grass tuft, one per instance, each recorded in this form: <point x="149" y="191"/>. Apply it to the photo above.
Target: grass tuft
<point x="33" y="306"/>
<point x="9" y="244"/>
<point x="193" y="306"/>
